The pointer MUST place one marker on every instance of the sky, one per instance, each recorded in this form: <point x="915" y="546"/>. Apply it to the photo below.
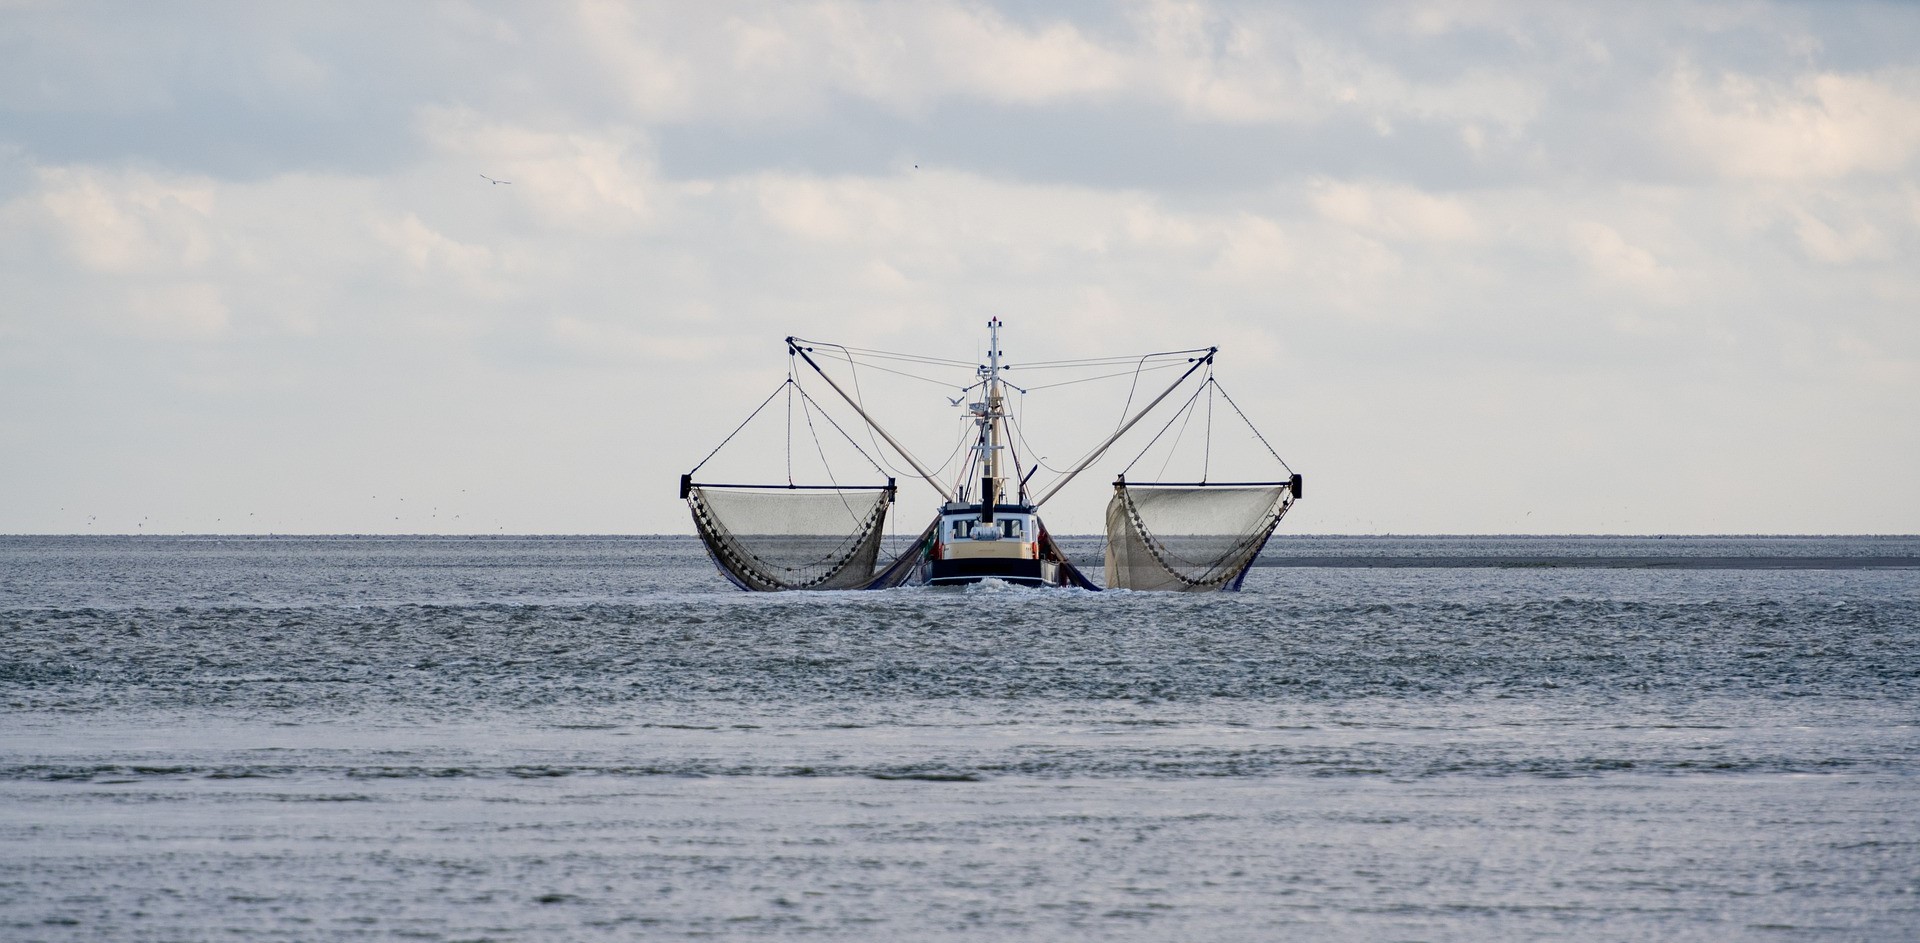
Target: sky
<point x="1473" y="267"/>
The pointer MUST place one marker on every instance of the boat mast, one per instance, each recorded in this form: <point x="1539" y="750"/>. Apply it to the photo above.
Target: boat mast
<point x="991" y="417"/>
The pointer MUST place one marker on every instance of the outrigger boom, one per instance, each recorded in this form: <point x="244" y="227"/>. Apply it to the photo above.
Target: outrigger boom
<point x="1102" y="448"/>
<point x="873" y="424"/>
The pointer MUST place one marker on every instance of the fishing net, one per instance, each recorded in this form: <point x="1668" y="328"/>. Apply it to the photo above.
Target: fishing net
<point x="1070" y="574"/>
<point x="1189" y="538"/>
<point x="910" y="565"/>
<point x="771" y="539"/>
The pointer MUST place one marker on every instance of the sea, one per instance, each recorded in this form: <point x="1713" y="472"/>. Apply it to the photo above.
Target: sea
<point x="597" y="738"/>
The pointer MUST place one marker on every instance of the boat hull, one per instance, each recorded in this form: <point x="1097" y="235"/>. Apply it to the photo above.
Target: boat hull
<point x="973" y="570"/>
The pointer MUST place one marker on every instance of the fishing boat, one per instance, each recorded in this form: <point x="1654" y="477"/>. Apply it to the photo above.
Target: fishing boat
<point x="1196" y="536"/>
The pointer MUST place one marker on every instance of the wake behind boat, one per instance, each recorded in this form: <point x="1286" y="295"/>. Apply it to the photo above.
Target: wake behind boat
<point x="1193" y="536"/>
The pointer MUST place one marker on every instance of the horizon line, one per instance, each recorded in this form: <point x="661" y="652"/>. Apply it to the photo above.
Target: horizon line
<point x="614" y="535"/>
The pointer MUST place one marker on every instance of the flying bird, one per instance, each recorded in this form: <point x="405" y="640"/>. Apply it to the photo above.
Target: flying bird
<point x="495" y="182"/>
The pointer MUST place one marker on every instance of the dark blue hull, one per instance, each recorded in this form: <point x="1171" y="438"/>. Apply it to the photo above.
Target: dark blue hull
<point x="961" y="572"/>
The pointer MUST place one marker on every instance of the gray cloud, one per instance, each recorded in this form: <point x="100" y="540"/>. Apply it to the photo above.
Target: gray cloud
<point x="1629" y="268"/>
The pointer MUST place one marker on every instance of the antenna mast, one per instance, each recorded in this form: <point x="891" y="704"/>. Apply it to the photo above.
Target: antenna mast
<point x="990" y="415"/>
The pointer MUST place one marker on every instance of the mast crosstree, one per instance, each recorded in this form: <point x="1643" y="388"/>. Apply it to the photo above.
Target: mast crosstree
<point x="991" y="416"/>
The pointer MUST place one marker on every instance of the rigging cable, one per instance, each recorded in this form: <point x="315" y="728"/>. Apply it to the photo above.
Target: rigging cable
<point x="911" y="376"/>
<point x="893" y="520"/>
<point x="861" y="400"/>
<point x="897" y="355"/>
<point x="805" y="398"/>
<point x="891" y="355"/>
<point x="1163" y="429"/>
<point x="1206" y="457"/>
<point x="968" y="464"/>
<point x="1021" y="431"/>
<point x="817" y="447"/>
<point x="1174" y="449"/>
<point x="956" y="451"/>
<point x="790" y="421"/>
<point x="742" y="425"/>
<point x="1125" y="423"/>
<point x="1019" y="476"/>
<point x="1102" y="361"/>
<point x="1104" y="376"/>
<point x="1255" y="429"/>
<point x="1132" y="387"/>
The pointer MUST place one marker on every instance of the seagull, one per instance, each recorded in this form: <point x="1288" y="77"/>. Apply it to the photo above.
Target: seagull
<point x="495" y="182"/>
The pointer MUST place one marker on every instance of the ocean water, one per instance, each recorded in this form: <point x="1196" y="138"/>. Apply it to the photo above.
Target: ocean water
<point x="596" y="738"/>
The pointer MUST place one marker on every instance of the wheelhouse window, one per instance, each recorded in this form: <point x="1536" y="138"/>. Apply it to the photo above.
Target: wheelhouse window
<point x="972" y="528"/>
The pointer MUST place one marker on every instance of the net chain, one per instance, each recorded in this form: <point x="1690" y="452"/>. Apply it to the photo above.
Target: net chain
<point x="1148" y="541"/>
<point x="722" y="542"/>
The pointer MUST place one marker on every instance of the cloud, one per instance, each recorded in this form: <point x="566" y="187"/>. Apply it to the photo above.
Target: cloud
<point x="1809" y="126"/>
<point x="1497" y="241"/>
<point x="446" y="263"/>
<point x="183" y="310"/>
<point x="626" y="344"/>
<point x="1825" y="242"/>
<point x="128" y="222"/>
<point x="590" y="181"/>
<point x="1615" y="260"/>
<point x="1245" y="65"/>
<point x="1395" y="212"/>
<point x="789" y="62"/>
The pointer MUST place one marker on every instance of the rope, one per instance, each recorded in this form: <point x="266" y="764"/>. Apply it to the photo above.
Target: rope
<point x="1019" y="474"/>
<point x="1163" y="429"/>
<point x="743" y="425"/>
<point x="1018" y="430"/>
<point x="892" y="355"/>
<point x="861" y="399"/>
<point x="805" y="398"/>
<point x="1100" y="361"/>
<point x="1256" y="431"/>
<point x="957" y="445"/>
<point x="1104" y="376"/>
<point x="1131" y="387"/>
<point x="807" y="412"/>
<point x="911" y="376"/>
<point x="1139" y="369"/>
<point x="1206" y="459"/>
<point x="1175" y="447"/>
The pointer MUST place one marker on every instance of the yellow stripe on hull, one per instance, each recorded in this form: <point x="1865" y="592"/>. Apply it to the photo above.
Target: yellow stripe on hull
<point x="987" y="550"/>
